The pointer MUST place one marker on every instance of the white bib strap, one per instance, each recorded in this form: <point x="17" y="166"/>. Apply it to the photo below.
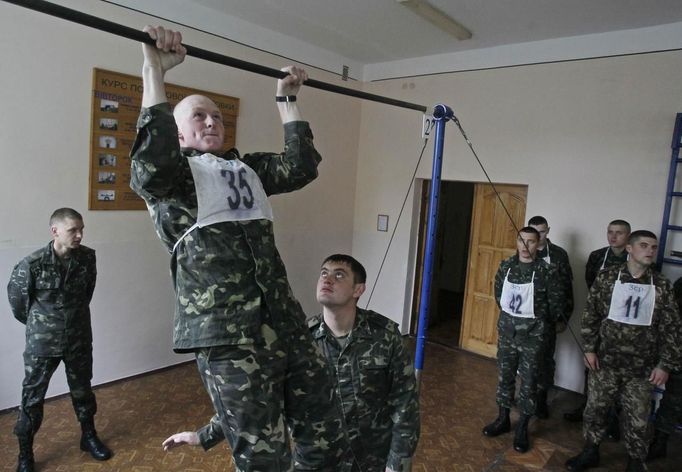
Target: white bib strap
<point x="192" y="228"/>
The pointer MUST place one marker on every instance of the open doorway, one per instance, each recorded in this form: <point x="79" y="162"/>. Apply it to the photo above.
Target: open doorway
<point x="476" y="230"/>
<point x="450" y="261"/>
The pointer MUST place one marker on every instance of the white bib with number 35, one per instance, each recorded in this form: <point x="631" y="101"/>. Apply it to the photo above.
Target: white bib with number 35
<point x="517" y="299"/>
<point x="226" y="191"/>
<point x="632" y="303"/>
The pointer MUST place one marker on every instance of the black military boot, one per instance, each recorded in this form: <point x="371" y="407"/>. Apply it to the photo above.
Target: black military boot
<point x="588" y="458"/>
<point x="500" y="425"/>
<point x="659" y="446"/>
<point x="541" y="411"/>
<point x="91" y="443"/>
<point x="26" y="462"/>
<point x="635" y="465"/>
<point x="521" y="443"/>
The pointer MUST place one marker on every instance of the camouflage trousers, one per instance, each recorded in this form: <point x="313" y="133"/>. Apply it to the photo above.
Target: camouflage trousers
<point x="518" y="354"/>
<point x="38" y="372"/>
<point x="605" y="386"/>
<point x="546" y="364"/>
<point x="263" y="392"/>
<point x="669" y="413"/>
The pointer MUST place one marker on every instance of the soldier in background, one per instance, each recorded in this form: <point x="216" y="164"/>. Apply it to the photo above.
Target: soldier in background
<point x="234" y="307"/>
<point x="631" y="331"/>
<point x="530" y="298"/>
<point x="669" y="414"/>
<point x="557" y="256"/>
<point x="373" y="374"/>
<point x="50" y="291"/>
<point x="617" y="234"/>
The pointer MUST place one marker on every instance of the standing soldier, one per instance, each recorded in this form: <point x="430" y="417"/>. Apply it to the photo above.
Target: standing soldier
<point x="50" y="292"/>
<point x="530" y="299"/>
<point x="669" y="413"/>
<point x="617" y="234"/>
<point x="558" y="257"/>
<point x="373" y="374"/>
<point x="631" y="332"/>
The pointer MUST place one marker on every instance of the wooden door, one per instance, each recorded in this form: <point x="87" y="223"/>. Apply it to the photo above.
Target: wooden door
<point x="493" y="238"/>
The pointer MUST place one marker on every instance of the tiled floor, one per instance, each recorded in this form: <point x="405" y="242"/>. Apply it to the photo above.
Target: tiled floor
<point x="457" y="400"/>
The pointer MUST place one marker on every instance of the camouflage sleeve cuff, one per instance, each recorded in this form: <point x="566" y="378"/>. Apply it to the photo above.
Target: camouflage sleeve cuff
<point x="300" y="128"/>
<point x="398" y="463"/>
<point x="147" y="115"/>
<point x="589" y="347"/>
<point x="209" y="436"/>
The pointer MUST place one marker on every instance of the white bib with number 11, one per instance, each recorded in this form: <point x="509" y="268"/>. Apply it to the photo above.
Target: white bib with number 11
<point x="632" y="303"/>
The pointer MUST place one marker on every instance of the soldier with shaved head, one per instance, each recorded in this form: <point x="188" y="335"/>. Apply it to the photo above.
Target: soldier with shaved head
<point x="234" y="307"/>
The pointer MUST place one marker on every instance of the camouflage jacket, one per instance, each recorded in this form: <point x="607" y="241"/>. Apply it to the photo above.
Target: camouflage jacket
<point x="559" y="257"/>
<point x="596" y="260"/>
<point x="376" y="389"/>
<point x="54" y="303"/>
<point x="636" y="349"/>
<point x="223" y="274"/>
<point x="548" y="297"/>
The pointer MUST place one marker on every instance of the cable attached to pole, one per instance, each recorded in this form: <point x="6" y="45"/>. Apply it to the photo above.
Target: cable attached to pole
<point x="140" y="36"/>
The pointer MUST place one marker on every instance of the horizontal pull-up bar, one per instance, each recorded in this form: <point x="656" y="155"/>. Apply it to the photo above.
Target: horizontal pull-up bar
<point x="137" y="35"/>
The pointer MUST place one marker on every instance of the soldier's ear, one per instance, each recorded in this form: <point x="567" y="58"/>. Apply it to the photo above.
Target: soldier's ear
<point x="358" y="290"/>
<point x="53" y="230"/>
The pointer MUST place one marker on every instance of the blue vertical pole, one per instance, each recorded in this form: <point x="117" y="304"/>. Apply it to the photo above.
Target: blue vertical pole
<point x="441" y="114"/>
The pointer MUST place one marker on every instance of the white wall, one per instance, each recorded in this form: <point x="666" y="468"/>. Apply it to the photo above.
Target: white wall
<point x="45" y="90"/>
<point x="591" y="139"/>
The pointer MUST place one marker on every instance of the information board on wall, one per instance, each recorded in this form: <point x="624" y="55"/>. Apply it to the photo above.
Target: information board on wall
<point x="116" y="101"/>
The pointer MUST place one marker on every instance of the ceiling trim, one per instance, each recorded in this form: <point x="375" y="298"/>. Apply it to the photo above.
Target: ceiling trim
<point x="617" y="43"/>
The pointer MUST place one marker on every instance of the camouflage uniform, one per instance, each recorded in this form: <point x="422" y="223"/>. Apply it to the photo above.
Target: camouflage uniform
<point x="592" y="268"/>
<point x="559" y="258"/>
<point x="53" y="302"/>
<point x="521" y="340"/>
<point x="596" y="261"/>
<point x="627" y="355"/>
<point x="235" y="308"/>
<point x="376" y="387"/>
<point x="669" y="413"/>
